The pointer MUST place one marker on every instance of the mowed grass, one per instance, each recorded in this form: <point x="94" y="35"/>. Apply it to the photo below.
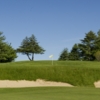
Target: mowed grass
<point x="77" y="73"/>
<point x="50" y="93"/>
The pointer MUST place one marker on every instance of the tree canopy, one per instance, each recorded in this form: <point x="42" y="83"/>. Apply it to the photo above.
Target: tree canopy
<point x="87" y="46"/>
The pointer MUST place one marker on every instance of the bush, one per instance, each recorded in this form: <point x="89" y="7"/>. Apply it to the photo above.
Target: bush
<point x="97" y="55"/>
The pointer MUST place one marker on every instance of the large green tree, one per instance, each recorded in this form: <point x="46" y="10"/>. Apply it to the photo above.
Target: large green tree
<point x="29" y="47"/>
<point x="7" y="53"/>
<point x="64" y="55"/>
<point x="87" y="46"/>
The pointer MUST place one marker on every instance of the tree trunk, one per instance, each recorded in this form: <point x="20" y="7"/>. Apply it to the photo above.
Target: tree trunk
<point x="28" y="56"/>
<point x="32" y="56"/>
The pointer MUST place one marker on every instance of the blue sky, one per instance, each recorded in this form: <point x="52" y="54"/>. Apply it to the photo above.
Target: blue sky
<point x="57" y="24"/>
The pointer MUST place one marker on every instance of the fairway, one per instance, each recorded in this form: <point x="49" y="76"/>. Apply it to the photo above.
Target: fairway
<point x="50" y="93"/>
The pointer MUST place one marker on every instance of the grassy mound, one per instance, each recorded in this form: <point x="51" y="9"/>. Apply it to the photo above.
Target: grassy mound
<point x="77" y="73"/>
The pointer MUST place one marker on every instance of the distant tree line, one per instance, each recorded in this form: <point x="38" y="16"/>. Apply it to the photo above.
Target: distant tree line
<point x="88" y="49"/>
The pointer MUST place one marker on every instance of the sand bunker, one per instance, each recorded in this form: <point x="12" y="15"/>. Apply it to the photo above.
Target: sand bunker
<point x="97" y="84"/>
<point x="24" y="83"/>
<point x="37" y="83"/>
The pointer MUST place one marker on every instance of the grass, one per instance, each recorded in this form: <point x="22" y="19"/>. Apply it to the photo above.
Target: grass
<point x="77" y="73"/>
<point x="50" y="93"/>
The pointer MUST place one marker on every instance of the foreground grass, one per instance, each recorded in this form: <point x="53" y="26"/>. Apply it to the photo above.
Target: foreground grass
<point x="77" y="73"/>
<point x="50" y="93"/>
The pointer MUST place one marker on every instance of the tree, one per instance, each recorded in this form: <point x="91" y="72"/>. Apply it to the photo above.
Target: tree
<point x="87" y="46"/>
<point x="64" y="55"/>
<point x="29" y="47"/>
<point x="74" y="54"/>
<point x="7" y="53"/>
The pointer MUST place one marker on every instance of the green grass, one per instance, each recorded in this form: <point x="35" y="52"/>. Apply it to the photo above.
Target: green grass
<point x="50" y="93"/>
<point x="77" y="73"/>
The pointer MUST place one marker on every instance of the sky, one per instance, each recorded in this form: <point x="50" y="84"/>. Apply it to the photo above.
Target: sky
<point x="56" y="24"/>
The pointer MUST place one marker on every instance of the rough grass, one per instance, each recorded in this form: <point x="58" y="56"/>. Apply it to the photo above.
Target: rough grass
<point x="77" y="73"/>
<point x="50" y="93"/>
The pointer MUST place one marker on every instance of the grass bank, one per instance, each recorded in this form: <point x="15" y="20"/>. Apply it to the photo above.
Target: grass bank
<point x="77" y="73"/>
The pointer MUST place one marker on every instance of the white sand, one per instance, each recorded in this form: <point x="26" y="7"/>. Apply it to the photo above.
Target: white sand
<point x="97" y="84"/>
<point x="24" y="83"/>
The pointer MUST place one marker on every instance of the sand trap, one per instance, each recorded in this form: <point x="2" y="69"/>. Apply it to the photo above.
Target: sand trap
<point x="37" y="83"/>
<point x="24" y="83"/>
<point x="97" y="84"/>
